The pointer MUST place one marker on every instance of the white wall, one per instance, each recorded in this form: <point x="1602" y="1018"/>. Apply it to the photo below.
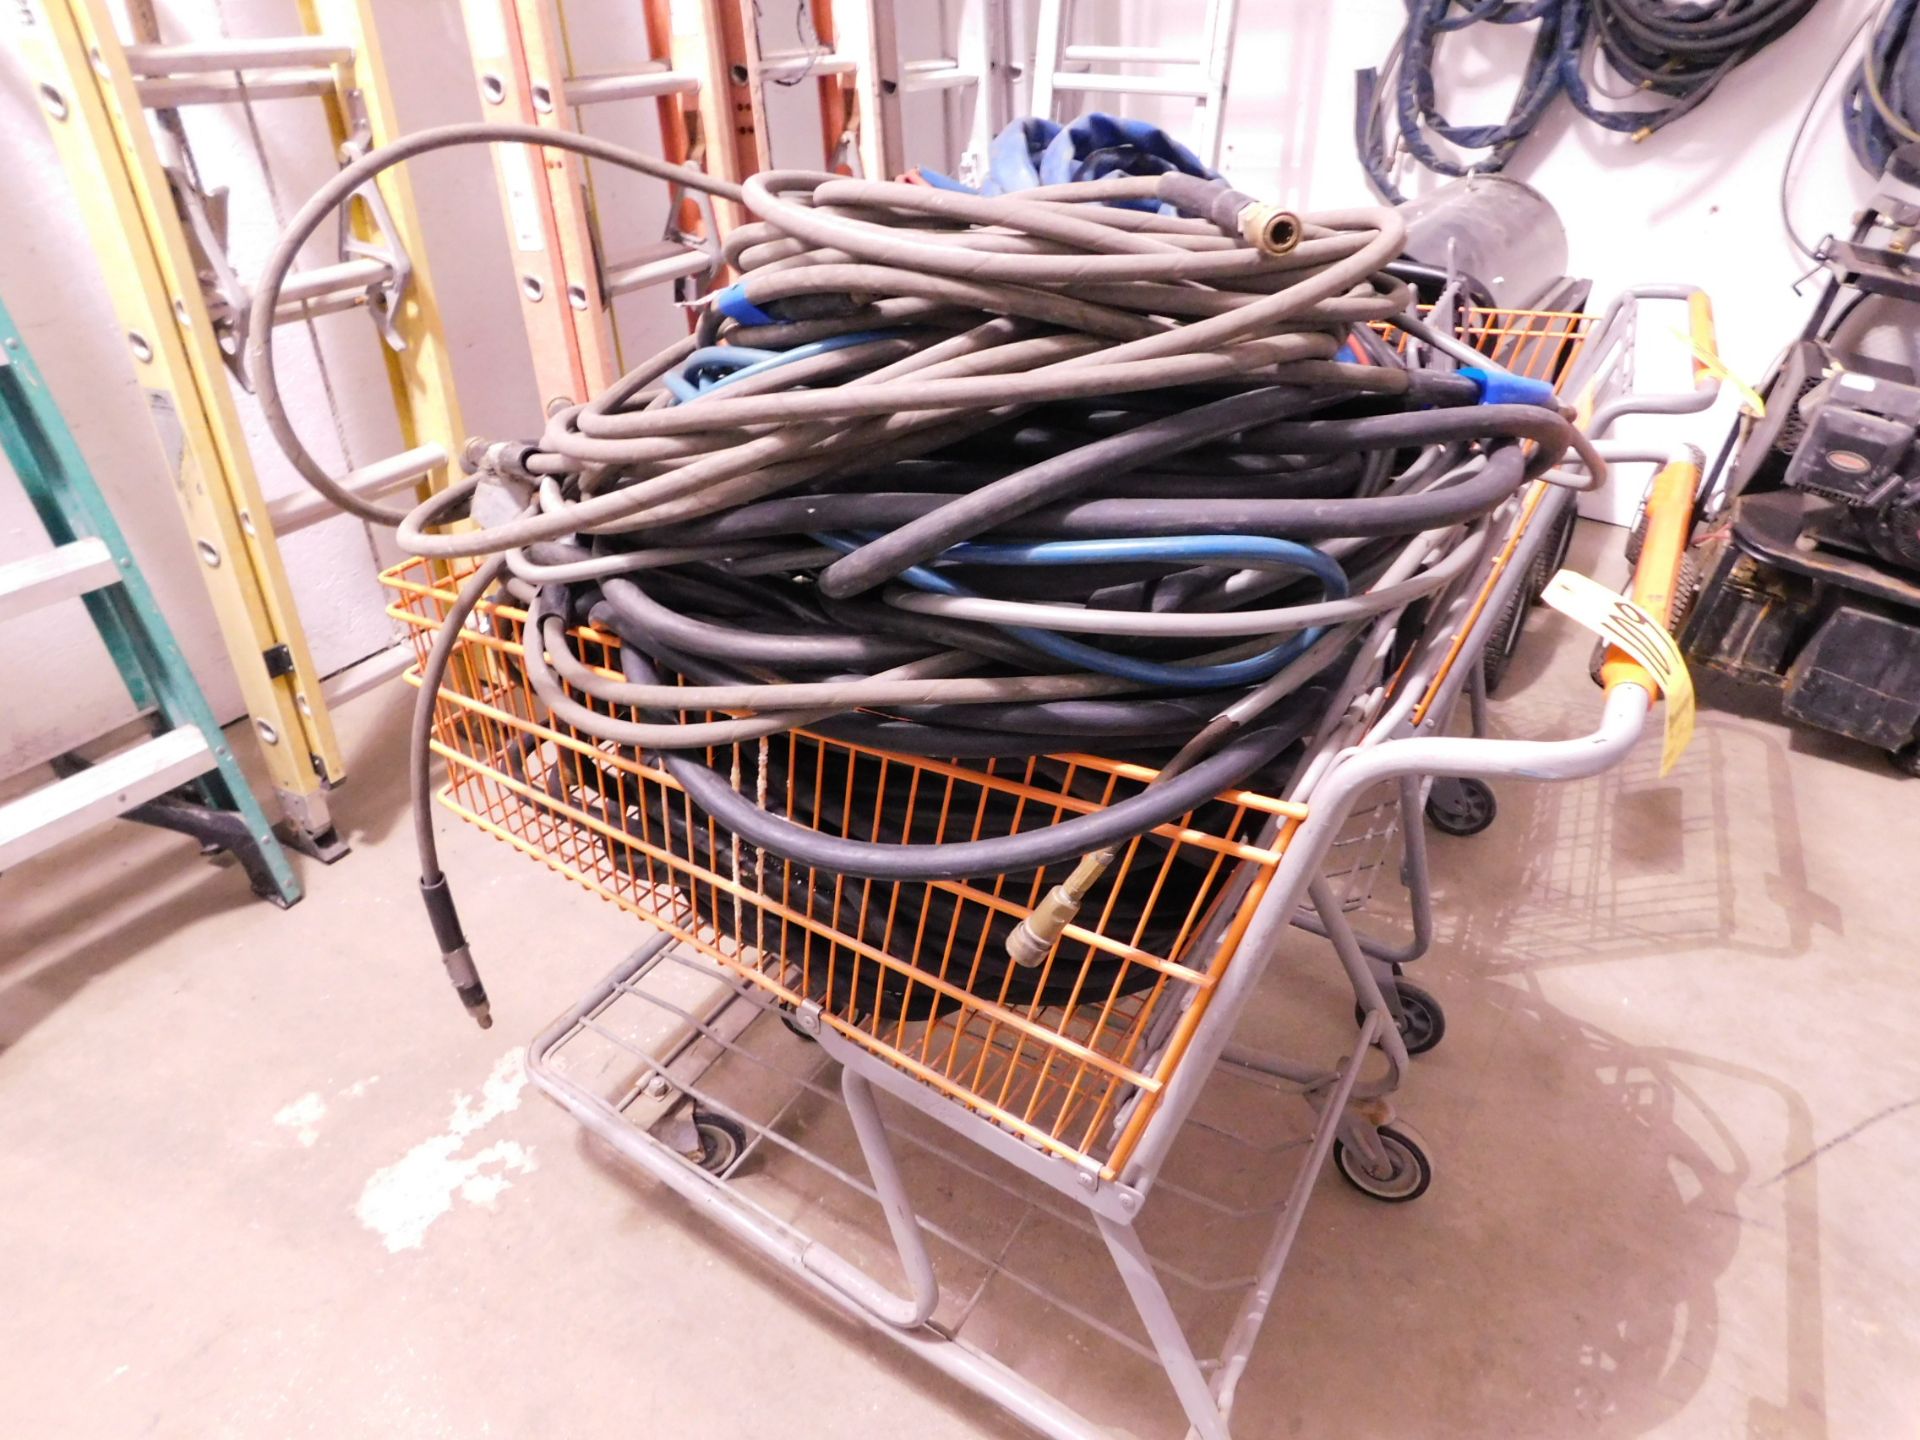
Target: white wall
<point x="1696" y="202"/>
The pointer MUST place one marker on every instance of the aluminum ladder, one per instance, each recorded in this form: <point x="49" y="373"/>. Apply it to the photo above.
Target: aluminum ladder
<point x="184" y="776"/>
<point x="1200" y="77"/>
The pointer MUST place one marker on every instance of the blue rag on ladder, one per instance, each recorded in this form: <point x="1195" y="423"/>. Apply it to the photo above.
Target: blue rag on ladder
<point x="1034" y="151"/>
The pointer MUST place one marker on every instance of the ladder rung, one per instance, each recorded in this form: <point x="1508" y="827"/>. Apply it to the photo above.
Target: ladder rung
<point x="167" y="92"/>
<point x="320" y="290"/>
<point x="780" y="65"/>
<point x="43" y="818"/>
<point x="1109" y="84"/>
<point x="668" y="260"/>
<point x="643" y="82"/>
<point x="382" y="477"/>
<point x="41" y="580"/>
<point x="918" y="75"/>
<point x="147" y="61"/>
<point x="1128" y="55"/>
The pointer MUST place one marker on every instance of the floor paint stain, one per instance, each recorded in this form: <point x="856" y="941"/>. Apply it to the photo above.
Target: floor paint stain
<point x="303" y="1117"/>
<point x="400" y="1202"/>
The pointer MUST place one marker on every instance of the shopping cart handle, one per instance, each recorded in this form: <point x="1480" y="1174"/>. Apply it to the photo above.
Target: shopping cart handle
<point x="1656" y="575"/>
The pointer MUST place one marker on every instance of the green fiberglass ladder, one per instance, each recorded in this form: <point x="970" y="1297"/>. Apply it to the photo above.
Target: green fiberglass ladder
<point x="183" y="777"/>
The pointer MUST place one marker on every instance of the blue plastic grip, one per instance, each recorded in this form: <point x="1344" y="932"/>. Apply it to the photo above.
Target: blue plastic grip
<point x="1503" y="387"/>
<point x="733" y="303"/>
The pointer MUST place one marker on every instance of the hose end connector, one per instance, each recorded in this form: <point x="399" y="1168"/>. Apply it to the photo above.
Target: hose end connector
<point x="1270" y="229"/>
<point x="1033" y="938"/>
<point x="454" y="953"/>
<point x="473" y="996"/>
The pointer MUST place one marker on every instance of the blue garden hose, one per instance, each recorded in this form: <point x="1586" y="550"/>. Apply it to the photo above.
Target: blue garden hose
<point x="715" y="367"/>
<point x="1187" y="549"/>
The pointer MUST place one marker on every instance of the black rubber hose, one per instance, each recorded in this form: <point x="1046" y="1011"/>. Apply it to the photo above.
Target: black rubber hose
<point x="1303" y="519"/>
<point x="1158" y="804"/>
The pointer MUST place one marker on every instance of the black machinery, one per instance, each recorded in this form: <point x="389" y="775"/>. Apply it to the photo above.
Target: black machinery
<point x="1808" y="549"/>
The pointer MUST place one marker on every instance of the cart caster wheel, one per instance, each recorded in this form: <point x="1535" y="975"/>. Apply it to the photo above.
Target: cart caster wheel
<point x="1423" y="1023"/>
<point x="1461" y="807"/>
<point x="722" y="1139"/>
<point x="1907" y="759"/>
<point x="794" y="1028"/>
<point x="1409" y="1171"/>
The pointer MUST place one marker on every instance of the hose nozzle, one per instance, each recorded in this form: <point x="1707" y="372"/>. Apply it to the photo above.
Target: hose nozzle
<point x="454" y="953"/>
<point x="1269" y="229"/>
<point x="1033" y="938"/>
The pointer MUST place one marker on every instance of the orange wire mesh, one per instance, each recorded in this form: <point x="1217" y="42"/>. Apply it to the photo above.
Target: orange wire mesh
<point x="914" y="971"/>
<point x="1071" y="1055"/>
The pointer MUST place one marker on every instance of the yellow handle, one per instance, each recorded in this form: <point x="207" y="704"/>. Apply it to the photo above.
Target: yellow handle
<point x="1656" y="575"/>
<point x="1700" y="332"/>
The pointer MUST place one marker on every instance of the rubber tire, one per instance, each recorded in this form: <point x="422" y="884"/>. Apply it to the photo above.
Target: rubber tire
<point x="1413" y="1169"/>
<point x="1480" y="813"/>
<point x="1503" y="639"/>
<point x="1425" y="1025"/>
<point x="722" y="1139"/>
<point x="1563" y="540"/>
<point x="793" y="1028"/>
<point x="1907" y="759"/>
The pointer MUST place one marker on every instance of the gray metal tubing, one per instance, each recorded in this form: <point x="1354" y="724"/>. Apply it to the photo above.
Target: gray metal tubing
<point x="1366" y="989"/>
<point x="1620" y="724"/>
<point x="1419" y="890"/>
<point x="1245" y="1330"/>
<point x="1163" y="1328"/>
<point x="908" y="1242"/>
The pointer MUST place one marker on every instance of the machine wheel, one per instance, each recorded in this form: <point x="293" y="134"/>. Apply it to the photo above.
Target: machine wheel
<point x="1907" y="759"/>
<point x="1503" y="639"/>
<point x="722" y="1139"/>
<point x="1461" y="807"/>
<point x="1408" y="1177"/>
<point x="1423" y="1023"/>
<point x="1563" y="540"/>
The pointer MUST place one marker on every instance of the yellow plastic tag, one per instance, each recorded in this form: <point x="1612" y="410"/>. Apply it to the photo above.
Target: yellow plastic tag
<point x="1619" y="621"/>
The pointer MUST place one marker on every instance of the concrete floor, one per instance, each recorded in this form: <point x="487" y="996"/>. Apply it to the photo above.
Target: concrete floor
<point x="262" y="1179"/>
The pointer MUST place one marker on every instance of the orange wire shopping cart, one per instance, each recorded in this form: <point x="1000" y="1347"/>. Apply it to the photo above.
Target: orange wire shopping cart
<point x="739" y="1055"/>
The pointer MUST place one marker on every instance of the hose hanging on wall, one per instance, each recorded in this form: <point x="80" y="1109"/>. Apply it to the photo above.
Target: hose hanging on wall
<point x="971" y="477"/>
<point x="1672" y="57"/>
<point x="1881" y="106"/>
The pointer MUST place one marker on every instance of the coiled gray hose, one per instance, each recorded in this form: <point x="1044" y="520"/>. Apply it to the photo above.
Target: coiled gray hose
<point x="842" y="501"/>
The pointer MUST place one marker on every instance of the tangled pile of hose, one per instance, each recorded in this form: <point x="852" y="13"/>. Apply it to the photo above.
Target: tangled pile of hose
<point x="972" y="478"/>
<point x="1669" y="59"/>
<point x="1881" y="106"/>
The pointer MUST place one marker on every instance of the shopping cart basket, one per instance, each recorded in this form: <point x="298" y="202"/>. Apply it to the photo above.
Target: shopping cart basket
<point x="1078" y="1077"/>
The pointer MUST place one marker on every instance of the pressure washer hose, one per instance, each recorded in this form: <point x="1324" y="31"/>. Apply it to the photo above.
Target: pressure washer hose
<point x="972" y="477"/>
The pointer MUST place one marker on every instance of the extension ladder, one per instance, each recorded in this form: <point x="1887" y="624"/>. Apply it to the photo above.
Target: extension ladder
<point x="566" y="281"/>
<point x="1198" y="76"/>
<point x="707" y="72"/>
<point x="184" y="777"/>
<point x="159" y="237"/>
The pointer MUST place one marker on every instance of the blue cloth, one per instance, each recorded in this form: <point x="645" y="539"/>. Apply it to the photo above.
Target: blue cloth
<point x="1034" y="152"/>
